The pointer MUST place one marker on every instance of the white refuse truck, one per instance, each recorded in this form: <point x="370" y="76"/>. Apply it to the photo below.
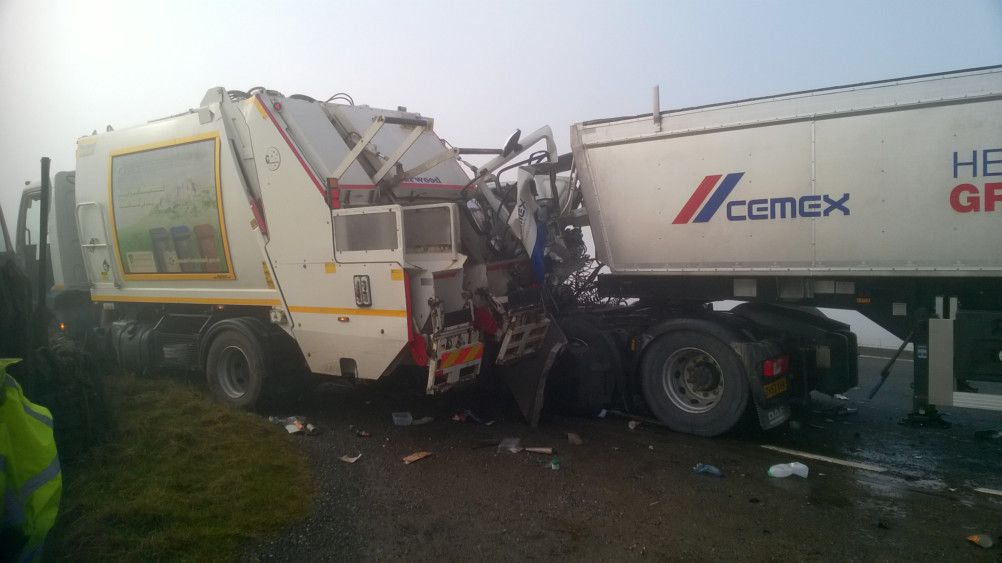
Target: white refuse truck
<point x="259" y="234"/>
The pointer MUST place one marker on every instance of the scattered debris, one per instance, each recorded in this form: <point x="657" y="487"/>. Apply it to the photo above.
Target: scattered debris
<point x="466" y="415"/>
<point x="416" y="456"/>
<point x="840" y="397"/>
<point x="995" y="492"/>
<point x="633" y="424"/>
<point x="510" y="445"/>
<point x="843" y="410"/>
<point x="403" y="418"/>
<point x="650" y="447"/>
<point x="782" y="470"/>
<point x="829" y="421"/>
<point x="422" y="420"/>
<point x="574" y="440"/>
<point x="806" y="455"/>
<point x="362" y="434"/>
<point x="988" y="434"/>
<point x="350" y="459"/>
<point x="653" y="503"/>
<point x="548" y="451"/>
<point x="707" y="469"/>
<point x="602" y="413"/>
<point x="555" y="463"/>
<point x="293" y="424"/>
<point x="981" y="540"/>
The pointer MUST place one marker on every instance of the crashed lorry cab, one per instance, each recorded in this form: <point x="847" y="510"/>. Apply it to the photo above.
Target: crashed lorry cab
<point x="259" y="233"/>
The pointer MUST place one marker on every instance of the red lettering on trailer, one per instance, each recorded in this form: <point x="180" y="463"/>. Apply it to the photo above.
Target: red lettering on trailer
<point x="967" y="198"/>
<point x="993" y="195"/>
<point x="967" y="204"/>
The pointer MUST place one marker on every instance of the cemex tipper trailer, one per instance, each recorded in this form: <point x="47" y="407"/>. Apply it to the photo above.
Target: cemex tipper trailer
<point x="259" y="234"/>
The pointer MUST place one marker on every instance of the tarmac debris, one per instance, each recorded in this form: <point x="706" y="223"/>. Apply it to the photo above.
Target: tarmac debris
<point x="707" y="469"/>
<point x="403" y="418"/>
<point x="416" y="456"/>
<point x="981" y="540"/>
<point x="350" y="459"/>
<point x="510" y="445"/>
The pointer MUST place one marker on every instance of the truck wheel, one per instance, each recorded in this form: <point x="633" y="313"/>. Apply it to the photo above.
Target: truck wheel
<point x="694" y="383"/>
<point x="235" y="368"/>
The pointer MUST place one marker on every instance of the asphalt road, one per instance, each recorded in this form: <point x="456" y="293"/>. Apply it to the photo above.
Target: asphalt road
<point x="631" y="494"/>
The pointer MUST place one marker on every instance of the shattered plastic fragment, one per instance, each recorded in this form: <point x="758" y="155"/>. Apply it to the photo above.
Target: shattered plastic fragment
<point x="350" y="459"/>
<point x="707" y="469"/>
<point x="416" y="456"/>
<point x="981" y="540"/>
<point x="510" y="445"/>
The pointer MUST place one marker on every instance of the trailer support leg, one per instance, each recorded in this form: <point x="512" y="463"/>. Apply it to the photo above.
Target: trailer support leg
<point x="923" y="413"/>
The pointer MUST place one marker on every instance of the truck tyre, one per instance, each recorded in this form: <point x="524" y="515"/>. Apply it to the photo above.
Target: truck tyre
<point x="235" y="368"/>
<point x="694" y="383"/>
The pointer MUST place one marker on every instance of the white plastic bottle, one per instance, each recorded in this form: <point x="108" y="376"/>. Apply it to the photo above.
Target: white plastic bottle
<point x="786" y="469"/>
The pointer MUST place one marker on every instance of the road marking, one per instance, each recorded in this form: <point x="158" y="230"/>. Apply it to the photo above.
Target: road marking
<point x="882" y="358"/>
<point x="995" y="492"/>
<point x="853" y="464"/>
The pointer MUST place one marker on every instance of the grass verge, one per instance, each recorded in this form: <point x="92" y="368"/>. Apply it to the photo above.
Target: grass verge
<point x="180" y="478"/>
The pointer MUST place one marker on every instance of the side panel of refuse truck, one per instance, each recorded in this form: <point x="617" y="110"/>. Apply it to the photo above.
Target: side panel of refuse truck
<point x="885" y="197"/>
<point x="260" y="235"/>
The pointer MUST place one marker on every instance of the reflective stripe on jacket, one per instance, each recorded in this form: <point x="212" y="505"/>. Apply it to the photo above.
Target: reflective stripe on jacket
<point x="30" y="478"/>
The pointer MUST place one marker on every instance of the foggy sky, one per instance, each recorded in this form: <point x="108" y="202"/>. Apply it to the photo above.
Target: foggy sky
<point x="479" y="69"/>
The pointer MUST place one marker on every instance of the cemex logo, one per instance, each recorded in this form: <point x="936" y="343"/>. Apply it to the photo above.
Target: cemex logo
<point x="715" y="191"/>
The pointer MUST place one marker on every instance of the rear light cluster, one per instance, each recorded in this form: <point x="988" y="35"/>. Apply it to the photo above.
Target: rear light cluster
<point x="774" y="367"/>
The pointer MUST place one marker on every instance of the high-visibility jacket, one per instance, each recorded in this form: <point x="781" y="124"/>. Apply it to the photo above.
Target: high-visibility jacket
<point x="30" y="479"/>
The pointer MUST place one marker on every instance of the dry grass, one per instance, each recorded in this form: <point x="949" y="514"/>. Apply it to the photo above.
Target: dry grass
<point x="181" y="478"/>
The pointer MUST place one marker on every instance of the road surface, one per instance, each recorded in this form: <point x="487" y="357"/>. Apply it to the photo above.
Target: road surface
<point x="631" y="494"/>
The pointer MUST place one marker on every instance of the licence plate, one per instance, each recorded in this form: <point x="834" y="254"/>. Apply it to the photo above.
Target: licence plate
<point x="775" y="388"/>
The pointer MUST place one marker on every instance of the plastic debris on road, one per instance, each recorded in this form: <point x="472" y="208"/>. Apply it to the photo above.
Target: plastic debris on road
<point x="362" y="434"/>
<point x="466" y="415"/>
<point x="416" y="456"/>
<point x="981" y="540"/>
<point x="294" y="424"/>
<point x="633" y="424"/>
<point x="786" y="469"/>
<point x="403" y="418"/>
<point x="573" y="439"/>
<point x="350" y="459"/>
<point x="707" y="469"/>
<point x="555" y="463"/>
<point x="510" y="445"/>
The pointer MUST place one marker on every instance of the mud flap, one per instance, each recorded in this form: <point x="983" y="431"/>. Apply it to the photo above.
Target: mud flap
<point x="527" y="378"/>
<point x="771" y="417"/>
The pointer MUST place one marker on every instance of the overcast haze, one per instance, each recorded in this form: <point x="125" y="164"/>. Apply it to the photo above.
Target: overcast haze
<point x="480" y="69"/>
